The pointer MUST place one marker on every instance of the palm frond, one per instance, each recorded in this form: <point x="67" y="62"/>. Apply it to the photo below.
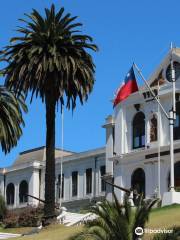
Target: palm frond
<point x="116" y="221"/>
<point x="50" y="52"/>
<point x="11" y="110"/>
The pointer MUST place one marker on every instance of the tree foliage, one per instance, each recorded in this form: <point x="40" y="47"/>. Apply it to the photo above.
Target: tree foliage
<point x="116" y="221"/>
<point x="50" y="58"/>
<point x="51" y="53"/>
<point x="10" y="118"/>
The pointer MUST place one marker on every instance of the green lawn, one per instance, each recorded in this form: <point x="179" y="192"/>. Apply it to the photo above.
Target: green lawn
<point x="159" y="218"/>
<point x="54" y="232"/>
<point x="165" y="217"/>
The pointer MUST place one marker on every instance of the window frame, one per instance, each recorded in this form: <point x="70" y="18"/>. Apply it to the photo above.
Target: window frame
<point x="74" y="193"/>
<point x="59" y="186"/>
<point x="141" y="135"/>
<point x="22" y="197"/>
<point x="103" y="184"/>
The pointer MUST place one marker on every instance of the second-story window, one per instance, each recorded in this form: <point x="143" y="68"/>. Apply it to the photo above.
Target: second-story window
<point x="139" y="130"/>
<point x="88" y="180"/>
<point x="74" y="183"/>
<point x="153" y="129"/>
<point x="177" y="122"/>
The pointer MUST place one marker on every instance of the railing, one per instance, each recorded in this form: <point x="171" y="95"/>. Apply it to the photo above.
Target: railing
<point x="84" y="219"/>
<point x="79" y="221"/>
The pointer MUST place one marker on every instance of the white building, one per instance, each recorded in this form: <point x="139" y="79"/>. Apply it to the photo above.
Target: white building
<point x="132" y="135"/>
<point x="129" y="159"/>
<point x="82" y="182"/>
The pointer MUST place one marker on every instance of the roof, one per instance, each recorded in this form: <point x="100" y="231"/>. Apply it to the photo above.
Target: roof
<point x="158" y="73"/>
<point x="85" y="154"/>
<point x="38" y="154"/>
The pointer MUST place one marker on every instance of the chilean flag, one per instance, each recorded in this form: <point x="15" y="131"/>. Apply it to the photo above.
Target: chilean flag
<point x="129" y="86"/>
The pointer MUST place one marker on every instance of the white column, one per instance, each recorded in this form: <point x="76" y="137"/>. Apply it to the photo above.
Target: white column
<point x="67" y="185"/>
<point x="16" y="195"/>
<point x="109" y="125"/>
<point x="81" y="180"/>
<point x="34" y="187"/>
<point x="2" y="185"/>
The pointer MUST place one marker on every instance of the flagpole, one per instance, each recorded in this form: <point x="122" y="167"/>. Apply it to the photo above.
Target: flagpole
<point x="171" y="122"/>
<point x="159" y="153"/>
<point x="62" y="148"/>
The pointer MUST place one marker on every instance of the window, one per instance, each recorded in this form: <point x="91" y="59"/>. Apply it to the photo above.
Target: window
<point x="10" y="194"/>
<point x="74" y="183"/>
<point x="153" y="129"/>
<point x="177" y="122"/>
<point x="138" y="183"/>
<point x="88" y="180"/>
<point x="139" y="130"/>
<point x="59" y="185"/>
<point x="23" y="191"/>
<point x="103" y="184"/>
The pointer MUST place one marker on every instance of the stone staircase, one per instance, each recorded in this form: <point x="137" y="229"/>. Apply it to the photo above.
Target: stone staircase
<point x="75" y="219"/>
<point x="8" y="235"/>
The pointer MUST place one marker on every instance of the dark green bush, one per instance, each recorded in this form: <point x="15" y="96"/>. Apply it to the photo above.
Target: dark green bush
<point x="2" y="208"/>
<point x="11" y="220"/>
<point x="26" y="217"/>
<point x="31" y="217"/>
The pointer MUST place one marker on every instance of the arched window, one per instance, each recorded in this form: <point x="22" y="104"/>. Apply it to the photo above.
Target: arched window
<point x="139" y="130"/>
<point x="10" y="194"/>
<point x="138" y="181"/>
<point x="23" y="191"/>
<point x="176" y="176"/>
<point x="177" y="122"/>
<point x="153" y="129"/>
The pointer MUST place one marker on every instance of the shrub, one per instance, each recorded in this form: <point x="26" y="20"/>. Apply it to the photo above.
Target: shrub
<point x="25" y="217"/>
<point x="2" y="208"/>
<point x="11" y="220"/>
<point x="31" y="217"/>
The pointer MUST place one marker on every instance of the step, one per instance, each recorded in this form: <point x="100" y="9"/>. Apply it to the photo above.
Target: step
<point x="8" y="235"/>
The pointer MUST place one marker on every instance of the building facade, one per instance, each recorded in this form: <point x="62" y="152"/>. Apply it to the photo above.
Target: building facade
<point x="135" y="133"/>
<point x="137" y="130"/>
<point x="81" y="179"/>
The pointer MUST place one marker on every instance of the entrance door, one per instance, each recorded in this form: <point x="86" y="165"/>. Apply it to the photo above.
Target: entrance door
<point x="138" y="181"/>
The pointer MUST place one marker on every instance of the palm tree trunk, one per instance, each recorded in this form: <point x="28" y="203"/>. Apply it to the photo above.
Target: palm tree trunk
<point x="49" y="207"/>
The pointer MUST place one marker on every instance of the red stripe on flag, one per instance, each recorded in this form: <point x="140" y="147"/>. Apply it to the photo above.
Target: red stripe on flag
<point x="127" y="89"/>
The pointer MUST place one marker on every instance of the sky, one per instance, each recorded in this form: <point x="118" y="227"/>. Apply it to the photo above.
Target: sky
<point x="125" y="32"/>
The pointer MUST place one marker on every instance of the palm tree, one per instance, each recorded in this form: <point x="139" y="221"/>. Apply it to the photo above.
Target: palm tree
<point x="115" y="221"/>
<point x="50" y="60"/>
<point x="10" y="118"/>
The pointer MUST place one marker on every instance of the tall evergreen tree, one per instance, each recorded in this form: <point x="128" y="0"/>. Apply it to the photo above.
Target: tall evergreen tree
<point x="50" y="59"/>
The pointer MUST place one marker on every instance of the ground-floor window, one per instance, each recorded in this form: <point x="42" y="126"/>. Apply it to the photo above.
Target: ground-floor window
<point x="74" y="183"/>
<point x="103" y="172"/>
<point x="10" y="194"/>
<point x="138" y="181"/>
<point x="23" y="191"/>
<point x="88" y="180"/>
<point x="59" y="183"/>
<point x="176" y="176"/>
